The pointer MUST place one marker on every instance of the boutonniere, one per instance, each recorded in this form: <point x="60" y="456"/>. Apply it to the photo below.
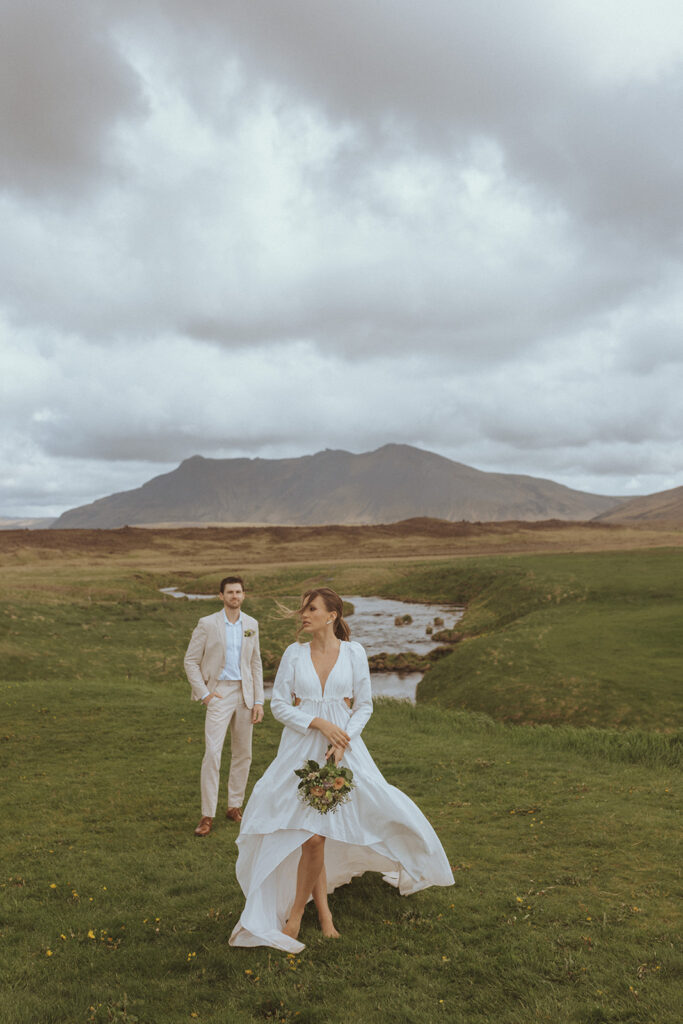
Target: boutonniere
<point x="249" y="632"/>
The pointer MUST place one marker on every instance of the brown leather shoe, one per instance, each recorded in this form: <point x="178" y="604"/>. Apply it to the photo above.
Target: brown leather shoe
<point x="204" y="827"/>
<point x="234" y="814"/>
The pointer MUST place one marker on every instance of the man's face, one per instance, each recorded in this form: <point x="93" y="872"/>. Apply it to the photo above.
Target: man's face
<point x="233" y="595"/>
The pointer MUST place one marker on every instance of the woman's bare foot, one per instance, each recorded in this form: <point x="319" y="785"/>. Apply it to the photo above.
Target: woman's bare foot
<point x="293" y="926"/>
<point x="328" y="929"/>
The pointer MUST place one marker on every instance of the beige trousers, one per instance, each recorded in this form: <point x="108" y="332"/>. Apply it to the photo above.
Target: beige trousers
<point x="230" y="710"/>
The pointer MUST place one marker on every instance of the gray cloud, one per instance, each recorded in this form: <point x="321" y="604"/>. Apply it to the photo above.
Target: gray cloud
<point x="455" y="74"/>
<point x="336" y="226"/>
<point x="65" y="88"/>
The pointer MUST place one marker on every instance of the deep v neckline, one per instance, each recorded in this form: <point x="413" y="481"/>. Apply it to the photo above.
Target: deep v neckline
<point x="320" y="682"/>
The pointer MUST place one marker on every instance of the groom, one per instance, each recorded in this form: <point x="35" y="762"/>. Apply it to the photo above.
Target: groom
<point x="223" y="666"/>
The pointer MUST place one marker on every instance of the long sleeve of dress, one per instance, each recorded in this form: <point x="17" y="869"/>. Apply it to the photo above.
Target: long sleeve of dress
<point x="283" y="689"/>
<point x="362" y="691"/>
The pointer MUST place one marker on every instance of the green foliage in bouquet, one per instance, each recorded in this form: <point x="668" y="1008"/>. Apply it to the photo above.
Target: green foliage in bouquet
<point x="324" y="787"/>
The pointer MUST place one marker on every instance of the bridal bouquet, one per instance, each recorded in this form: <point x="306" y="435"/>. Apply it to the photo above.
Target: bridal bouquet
<point x="324" y="787"/>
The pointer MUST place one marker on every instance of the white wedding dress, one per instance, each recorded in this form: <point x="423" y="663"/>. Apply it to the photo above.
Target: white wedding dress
<point x="379" y="829"/>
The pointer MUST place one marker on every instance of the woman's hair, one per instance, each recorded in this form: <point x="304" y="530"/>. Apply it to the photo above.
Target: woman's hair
<point x="333" y="603"/>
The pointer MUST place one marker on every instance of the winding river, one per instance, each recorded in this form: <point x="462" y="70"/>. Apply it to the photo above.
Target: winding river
<point x="374" y="625"/>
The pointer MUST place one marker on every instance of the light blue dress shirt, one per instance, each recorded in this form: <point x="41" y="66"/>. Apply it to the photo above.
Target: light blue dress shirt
<point x="233" y="649"/>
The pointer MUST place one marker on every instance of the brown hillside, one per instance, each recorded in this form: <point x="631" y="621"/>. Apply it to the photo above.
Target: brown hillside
<point x="664" y="507"/>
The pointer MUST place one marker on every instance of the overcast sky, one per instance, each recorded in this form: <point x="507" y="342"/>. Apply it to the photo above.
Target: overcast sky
<point x="267" y="227"/>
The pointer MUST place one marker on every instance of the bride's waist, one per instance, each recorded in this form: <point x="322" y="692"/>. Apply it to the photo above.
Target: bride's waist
<point x="330" y="702"/>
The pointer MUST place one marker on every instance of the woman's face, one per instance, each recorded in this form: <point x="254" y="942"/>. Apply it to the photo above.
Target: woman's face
<point x="315" y="615"/>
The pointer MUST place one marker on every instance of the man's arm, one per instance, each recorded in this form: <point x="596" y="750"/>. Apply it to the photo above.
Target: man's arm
<point x="193" y="660"/>
<point x="257" y="676"/>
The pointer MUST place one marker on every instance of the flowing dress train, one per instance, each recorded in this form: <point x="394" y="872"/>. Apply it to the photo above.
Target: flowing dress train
<point x="379" y="829"/>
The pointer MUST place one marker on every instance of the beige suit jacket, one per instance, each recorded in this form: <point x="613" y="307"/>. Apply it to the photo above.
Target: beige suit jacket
<point x="205" y="657"/>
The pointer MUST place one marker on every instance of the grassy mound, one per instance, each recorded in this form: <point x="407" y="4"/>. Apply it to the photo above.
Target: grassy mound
<point x="590" y="639"/>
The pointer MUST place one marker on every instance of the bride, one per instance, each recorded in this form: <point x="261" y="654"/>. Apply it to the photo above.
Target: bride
<point x="287" y="851"/>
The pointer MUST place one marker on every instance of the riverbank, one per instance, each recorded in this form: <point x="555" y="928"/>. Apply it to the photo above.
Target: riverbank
<point x="589" y="640"/>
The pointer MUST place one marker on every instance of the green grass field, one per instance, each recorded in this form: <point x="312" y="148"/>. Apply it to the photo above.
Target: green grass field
<point x="586" y="639"/>
<point x="562" y="837"/>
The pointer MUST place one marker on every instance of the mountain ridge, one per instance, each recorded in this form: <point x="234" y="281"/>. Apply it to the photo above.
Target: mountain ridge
<point x="392" y="483"/>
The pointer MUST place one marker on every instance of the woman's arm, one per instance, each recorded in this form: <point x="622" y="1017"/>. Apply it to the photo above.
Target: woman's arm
<point x="284" y="711"/>
<point x="281" y="702"/>
<point x="362" y="691"/>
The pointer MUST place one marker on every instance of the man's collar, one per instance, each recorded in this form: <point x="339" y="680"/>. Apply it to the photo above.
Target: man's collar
<point x="237" y="620"/>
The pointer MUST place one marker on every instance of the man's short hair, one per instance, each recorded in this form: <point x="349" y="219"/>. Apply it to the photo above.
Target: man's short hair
<point x="232" y="579"/>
